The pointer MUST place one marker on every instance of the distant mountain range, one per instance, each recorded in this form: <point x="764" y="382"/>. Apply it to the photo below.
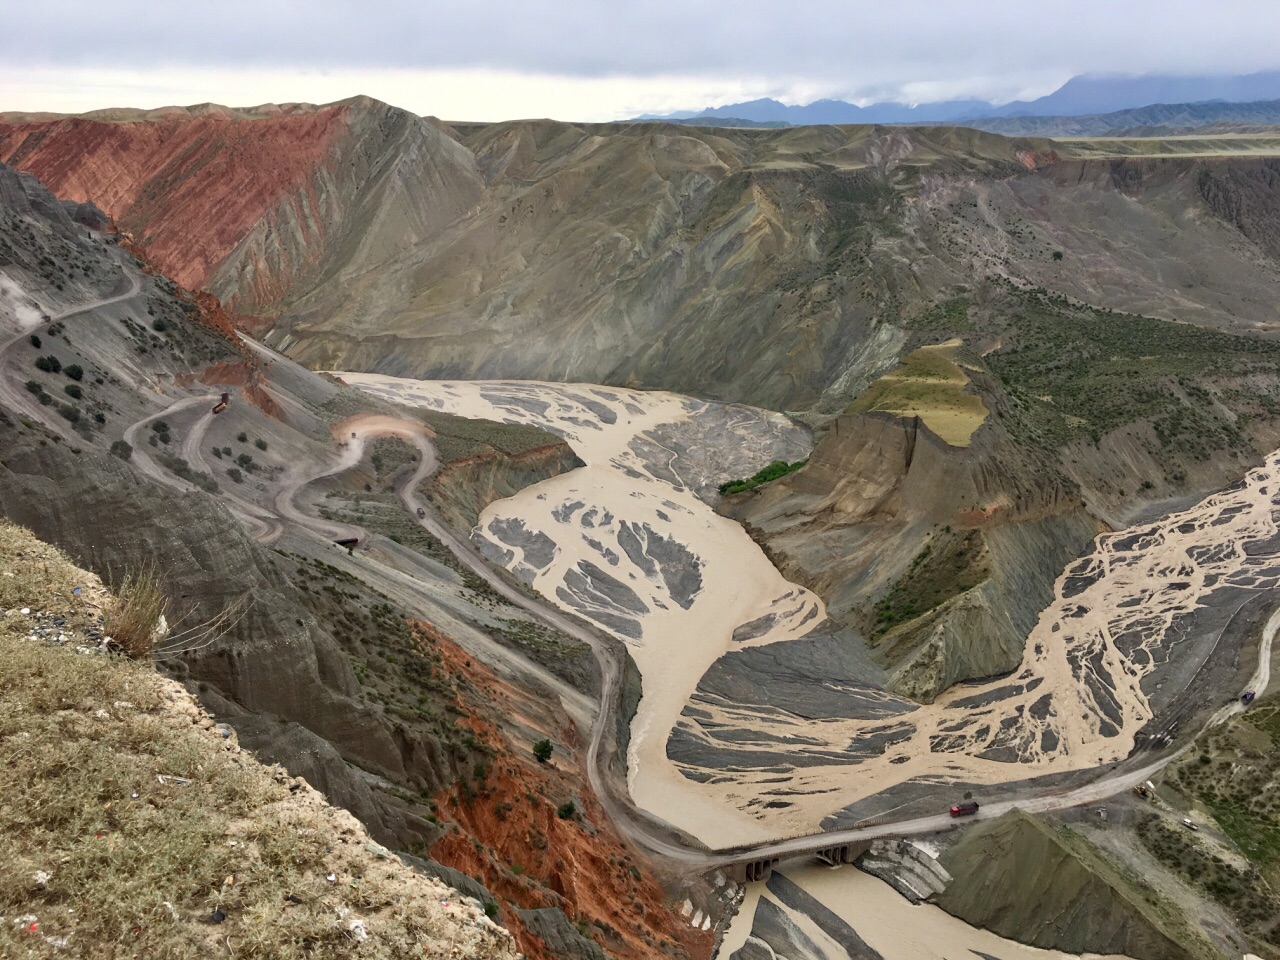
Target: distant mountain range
<point x="1087" y="95"/>
<point x="1157" y="120"/>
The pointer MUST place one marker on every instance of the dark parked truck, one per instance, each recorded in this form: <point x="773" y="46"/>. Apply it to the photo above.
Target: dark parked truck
<point x="966" y="809"/>
<point x="1247" y="696"/>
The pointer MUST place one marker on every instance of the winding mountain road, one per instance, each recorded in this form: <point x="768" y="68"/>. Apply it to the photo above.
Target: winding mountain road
<point x="17" y="398"/>
<point x="648" y="832"/>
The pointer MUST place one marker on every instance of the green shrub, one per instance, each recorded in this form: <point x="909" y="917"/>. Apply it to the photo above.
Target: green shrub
<point x="566" y="810"/>
<point x="49" y="364"/>
<point x="33" y="386"/>
<point x="235" y="475"/>
<point x="74" y="371"/>
<point x="122" y="449"/>
<point x="260" y="444"/>
<point x="242" y="437"/>
<point x="69" y="411"/>
<point x="35" y="341"/>
<point x="542" y="751"/>
<point x="73" y="391"/>
<point x="776" y="469"/>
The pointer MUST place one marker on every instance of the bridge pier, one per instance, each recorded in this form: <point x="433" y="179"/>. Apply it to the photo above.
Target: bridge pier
<point x="834" y="856"/>
<point x="754" y="871"/>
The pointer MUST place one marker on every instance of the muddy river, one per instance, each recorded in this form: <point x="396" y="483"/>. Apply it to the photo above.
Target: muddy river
<point x="630" y="543"/>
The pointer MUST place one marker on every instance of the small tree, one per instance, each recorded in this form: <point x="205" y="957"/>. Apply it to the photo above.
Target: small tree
<point x="260" y="444"/>
<point x="235" y="475"/>
<point x="35" y="341"/>
<point x="566" y="810"/>
<point x="73" y="391"/>
<point x="122" y="449"/>
<point x="74" y="371"/>
<point x="242" y="437"/>
<point x="542" y="750"/>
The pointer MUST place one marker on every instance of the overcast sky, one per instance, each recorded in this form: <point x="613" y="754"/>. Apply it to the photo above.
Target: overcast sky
<point x="603" y="59"/>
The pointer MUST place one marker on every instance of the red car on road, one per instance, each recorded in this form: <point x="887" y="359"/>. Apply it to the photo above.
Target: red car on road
<point x="966" y="809"/>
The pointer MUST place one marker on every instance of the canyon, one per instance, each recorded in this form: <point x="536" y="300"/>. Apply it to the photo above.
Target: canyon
<point x="1014" y="372"/>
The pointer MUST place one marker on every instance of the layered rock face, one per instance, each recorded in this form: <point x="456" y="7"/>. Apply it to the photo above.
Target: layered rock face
<point x="255" y="208"/>
<point x="367" y="238"/>
<point x="1021" y="878"/>
<point x="941" y="556"/>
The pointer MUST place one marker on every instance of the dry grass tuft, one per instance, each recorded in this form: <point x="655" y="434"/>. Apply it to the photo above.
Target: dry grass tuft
<point x="132" y="618"/>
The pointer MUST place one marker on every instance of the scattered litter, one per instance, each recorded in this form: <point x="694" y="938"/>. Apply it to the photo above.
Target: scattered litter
<point x="231" y="879"/>
<point x="25" y="611"/>
<point x="379" y="851"/>
<point x="231" y="843"/>
<point x="27" y="924"/>
<point x="358" y="930"/>
<point x="135" y="796"/>
<point x="76" y="591"/>
<point x="217" y="916"/>
<point x="42" y="879"/>
<point x="293" y="898"/>
<point x="166" y="778"/>
<point x="102" y="714"/>
<point x="172" y="912"/>
<point x="332" y="878"/>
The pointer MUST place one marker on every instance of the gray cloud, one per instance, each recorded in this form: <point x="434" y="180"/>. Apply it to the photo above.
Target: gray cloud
<point x="853" y="48"/>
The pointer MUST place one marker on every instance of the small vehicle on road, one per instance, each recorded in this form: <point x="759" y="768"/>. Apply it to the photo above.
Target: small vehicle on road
<point x="1189" y="824"/>
<point x="1247" y="696"/>
<point x="421" y="513"/>
<point x="966" y="809"/>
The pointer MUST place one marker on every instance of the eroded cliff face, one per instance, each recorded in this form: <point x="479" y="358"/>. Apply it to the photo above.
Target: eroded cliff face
<point x="514" y="838"/>
<point x="461" y="489"/>
<point x="1023" y="878"/>
<point x="252" y="208"/>
<point x="941" y="556"/>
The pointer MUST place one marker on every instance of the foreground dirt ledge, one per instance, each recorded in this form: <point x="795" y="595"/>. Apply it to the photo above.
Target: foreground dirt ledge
<point x="132" y="825"/>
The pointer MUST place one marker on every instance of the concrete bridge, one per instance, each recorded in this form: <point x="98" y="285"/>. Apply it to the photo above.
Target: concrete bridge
<point x="754" y="869"/>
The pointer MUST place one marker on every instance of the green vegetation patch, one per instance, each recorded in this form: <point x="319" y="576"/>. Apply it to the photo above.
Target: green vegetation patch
<point x="928" y="384"/>
<point x="180" y="467"/>
<point x="947" y="566"/>
<point x="1075" y="372"/>
<point x="775" y="470"/>
<point x="1232" y="772"/>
